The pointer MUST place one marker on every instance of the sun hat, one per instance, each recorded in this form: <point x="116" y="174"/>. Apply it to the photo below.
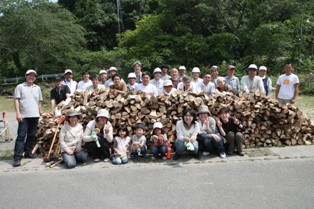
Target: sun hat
<point x="131" y="75"/>
<point x="196" y="70"/>
<point x="72" y="113"/>
<point x="262" y="68"/>
<point x="157" y="70"/>
<point x="203" y="109"/>
<point x="167" y="83"/>
<point x="252" y="66"/>
<point x="31" y="71"/>
<point x="68" y="71"/>
<point x="157" y="125"/>
<point x="103" y="113"/>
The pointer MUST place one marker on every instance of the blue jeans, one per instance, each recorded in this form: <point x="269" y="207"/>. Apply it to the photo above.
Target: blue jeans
<point x="211" y="145"/>
<point x="119" y="160"/>
<point x="26" y="130"/>
<point x="143" y="151"/>
<point x="70" y="160"/>
<point x="180" y="147"/>
<point x="162" y="150"/>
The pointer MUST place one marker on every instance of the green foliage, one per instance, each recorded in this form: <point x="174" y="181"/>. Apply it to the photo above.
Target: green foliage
<point x="39" y="35"/>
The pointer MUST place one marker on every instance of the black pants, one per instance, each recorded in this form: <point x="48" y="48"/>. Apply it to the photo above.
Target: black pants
<point x="98" y="152"/>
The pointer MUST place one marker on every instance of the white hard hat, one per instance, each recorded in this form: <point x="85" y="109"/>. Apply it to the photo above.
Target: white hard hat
<point x="182" y="67"/>
<point x="252" y="66"/>
<point x="103" y="113"/>
<point x="31" y="71"/>
<point x="131" y="75"/>
<point x="196" y="70"/>
<point x="263" y="68"/>
<point x="102" y="72"/>
<point x="113" y="68"/>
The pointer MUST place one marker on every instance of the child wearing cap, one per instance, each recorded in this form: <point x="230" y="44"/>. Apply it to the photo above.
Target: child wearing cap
<point x="139" y="141"/>
<point x="70" y="139"/>
<point x="121" y="144"/>
<point x="159" y="144"/>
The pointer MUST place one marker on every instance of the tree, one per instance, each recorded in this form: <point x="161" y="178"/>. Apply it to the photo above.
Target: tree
<point x="39" y="35"/>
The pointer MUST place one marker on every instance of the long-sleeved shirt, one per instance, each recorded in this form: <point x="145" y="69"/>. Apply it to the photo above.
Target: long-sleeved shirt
<point x="70" y="138"/>
<point x="249" y="85"/>
<point x="183" y="132"/>
<point x="90" y="128"/>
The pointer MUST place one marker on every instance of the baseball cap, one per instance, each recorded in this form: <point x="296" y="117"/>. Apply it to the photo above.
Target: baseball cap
<point x="58" y="78"/>
<point x="68" y="71"/>
<point x="31" y="71"/>
<point x="231" y="67"/>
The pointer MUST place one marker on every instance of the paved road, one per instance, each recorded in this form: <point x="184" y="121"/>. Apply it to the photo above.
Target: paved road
<point x="241" y="184"/>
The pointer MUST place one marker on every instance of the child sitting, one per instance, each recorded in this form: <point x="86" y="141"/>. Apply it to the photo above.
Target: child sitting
<point x="159" y="141"/>
<point x="121" y="145"/>
<point x="139" y="141"/>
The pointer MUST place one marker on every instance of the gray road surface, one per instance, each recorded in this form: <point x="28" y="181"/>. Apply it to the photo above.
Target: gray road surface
<point x="241" y="184"/>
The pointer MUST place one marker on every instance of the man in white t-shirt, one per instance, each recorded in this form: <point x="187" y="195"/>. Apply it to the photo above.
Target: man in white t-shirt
<point x="287" y="86"/>
<point x="86" y="82"/>
<point x="206" y="85"/>
<point x="145" y="86"/>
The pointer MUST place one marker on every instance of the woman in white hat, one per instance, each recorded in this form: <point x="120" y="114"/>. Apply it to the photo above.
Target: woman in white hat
<point x="70" y="139"/>
<point x="99" y="136"/>
<point x="159" y="144"/>
<point x="167" y="88"/>
<point x="212" y="140"/>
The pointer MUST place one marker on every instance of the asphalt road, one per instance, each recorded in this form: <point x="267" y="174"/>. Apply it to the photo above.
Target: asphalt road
<point x="244" y="184"/>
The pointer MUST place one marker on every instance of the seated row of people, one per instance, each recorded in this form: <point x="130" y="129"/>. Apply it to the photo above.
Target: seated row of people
<point x="214" y="133"/>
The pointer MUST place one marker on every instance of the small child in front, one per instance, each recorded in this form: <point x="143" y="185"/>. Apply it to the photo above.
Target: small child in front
<point x="139" y="142"/>
<point x="121" y="145"/>
<point x="159" y="141"/>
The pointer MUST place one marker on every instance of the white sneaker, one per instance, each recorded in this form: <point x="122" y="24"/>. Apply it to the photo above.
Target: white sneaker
<point x="205" y="153"/>
<point x="106" y="160"/>
<point x="96" y="160"/>
<point x="222" y="155"/>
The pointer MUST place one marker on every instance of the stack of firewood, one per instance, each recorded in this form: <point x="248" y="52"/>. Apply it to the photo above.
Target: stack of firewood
<point x="268" y="124"/>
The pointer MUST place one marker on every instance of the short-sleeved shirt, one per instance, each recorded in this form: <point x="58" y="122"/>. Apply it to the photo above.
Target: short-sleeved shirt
<point x="233" y="82"/>
<point x="59" y="94"/>
<point x="83" y="85"/>
<point x="141" y="140"/>
<point x="71" y="84"/>
<point x="149" y="89"/>
<point x="29" y="98"/>
<point x="207" y="89"/>
<point x="287" y="83"/>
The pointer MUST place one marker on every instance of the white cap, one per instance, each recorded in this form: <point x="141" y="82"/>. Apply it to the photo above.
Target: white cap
<point x="215" y="67"/>
<point x="167" y="83"/>
<point x="131" y="75"/>
<point x="103" y="113"/>
<point x="252" y="66"/>
<point x="157" y="70"/>
<point x="102" y="72"/>
<point x="231" y="67"/>
<point x="31" y="71"/>
<point x="68" y="71"/>
<point x="157" y="125"/>
<point x="263" y="68"/>
<point x="113" y="68"/>
<point x="196" y="70"/>
<point x="182" y="67"/>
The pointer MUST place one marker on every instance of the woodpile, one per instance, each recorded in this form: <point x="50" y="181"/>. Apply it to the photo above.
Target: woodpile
<point x="268" y="124"/>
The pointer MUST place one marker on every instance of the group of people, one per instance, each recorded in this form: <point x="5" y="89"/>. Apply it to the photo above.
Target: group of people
<point x="28" y="97"/>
